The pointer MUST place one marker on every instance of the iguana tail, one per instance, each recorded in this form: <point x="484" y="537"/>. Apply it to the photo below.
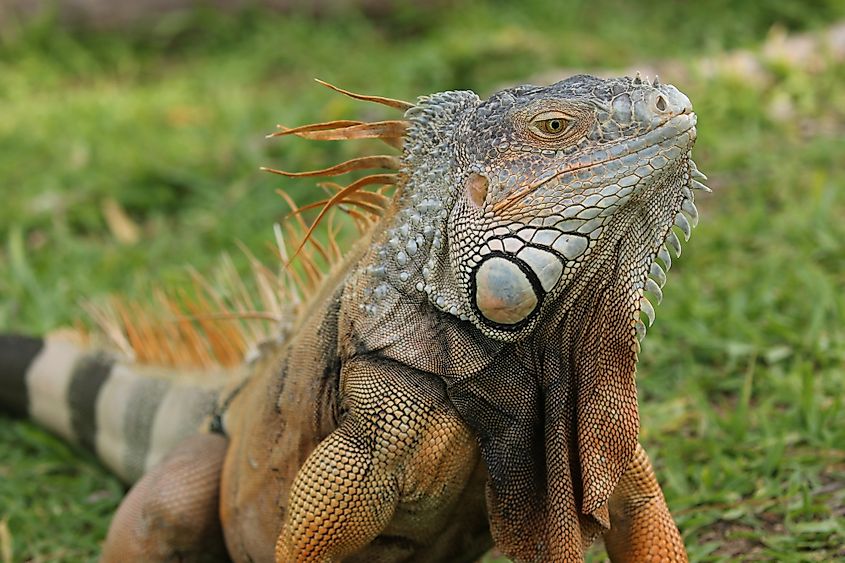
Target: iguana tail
<point x="130" y="416"/>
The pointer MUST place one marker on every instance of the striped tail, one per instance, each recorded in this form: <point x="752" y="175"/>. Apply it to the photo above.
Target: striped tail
<point x="129" y="416"/>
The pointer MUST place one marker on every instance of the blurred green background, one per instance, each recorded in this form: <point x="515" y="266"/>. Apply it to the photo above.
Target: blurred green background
<point x="742" y="377"/>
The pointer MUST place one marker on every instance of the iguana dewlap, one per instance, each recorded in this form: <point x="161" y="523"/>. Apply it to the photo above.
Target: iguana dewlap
<point x="465" y="377"/>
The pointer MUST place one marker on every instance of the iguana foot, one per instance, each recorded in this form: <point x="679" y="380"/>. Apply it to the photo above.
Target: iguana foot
<point x="641" y="528"/>
<point x="172" y="513"/>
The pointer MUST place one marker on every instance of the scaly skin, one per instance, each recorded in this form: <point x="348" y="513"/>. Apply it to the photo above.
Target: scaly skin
<point x="641" y="526"/>
<point x="468" y="375"/>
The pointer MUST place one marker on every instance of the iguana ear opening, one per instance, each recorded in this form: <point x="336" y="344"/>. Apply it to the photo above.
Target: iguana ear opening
<point x="477" y="186"/>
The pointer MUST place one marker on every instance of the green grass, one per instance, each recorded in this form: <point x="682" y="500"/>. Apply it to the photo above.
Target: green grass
<point x="742" y="378"/>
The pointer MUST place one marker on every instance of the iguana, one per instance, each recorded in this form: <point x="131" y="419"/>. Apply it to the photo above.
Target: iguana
<point x="465" y="377"/>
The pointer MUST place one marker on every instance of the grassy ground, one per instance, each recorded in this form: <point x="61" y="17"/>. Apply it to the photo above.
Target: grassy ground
<point x="743" y="376"/>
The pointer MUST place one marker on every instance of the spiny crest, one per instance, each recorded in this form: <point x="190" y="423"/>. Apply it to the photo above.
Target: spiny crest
<point x="214" y="323"/>
<point x="685" y="220"/>
<point x="218" y="322"/>
<point x="364" y="199"/>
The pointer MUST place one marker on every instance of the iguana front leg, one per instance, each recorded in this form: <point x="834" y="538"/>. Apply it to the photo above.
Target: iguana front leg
<point x="398" y="445"/>
<point x="641" y="528"/>
<point x="341" y="499"/>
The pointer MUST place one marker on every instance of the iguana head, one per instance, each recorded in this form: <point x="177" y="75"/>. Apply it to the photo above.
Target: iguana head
<point x="545" y="184"/>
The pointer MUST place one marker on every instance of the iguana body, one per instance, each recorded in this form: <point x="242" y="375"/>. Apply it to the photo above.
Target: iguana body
<point x="465" y="377"/>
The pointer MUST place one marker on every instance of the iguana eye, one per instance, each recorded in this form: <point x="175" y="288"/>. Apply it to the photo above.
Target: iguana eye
<point x="551" y="124"/>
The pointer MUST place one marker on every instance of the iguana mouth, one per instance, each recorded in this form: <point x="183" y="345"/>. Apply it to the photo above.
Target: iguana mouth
<point x="669" y="130"/>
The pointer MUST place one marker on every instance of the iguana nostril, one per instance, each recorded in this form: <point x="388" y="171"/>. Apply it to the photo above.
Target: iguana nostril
<point x="661" y="103"/>
<point x="476" y="186"/>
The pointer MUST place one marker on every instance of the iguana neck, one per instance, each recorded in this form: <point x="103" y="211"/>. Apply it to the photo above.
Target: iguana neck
<point x="408" y="247"/>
